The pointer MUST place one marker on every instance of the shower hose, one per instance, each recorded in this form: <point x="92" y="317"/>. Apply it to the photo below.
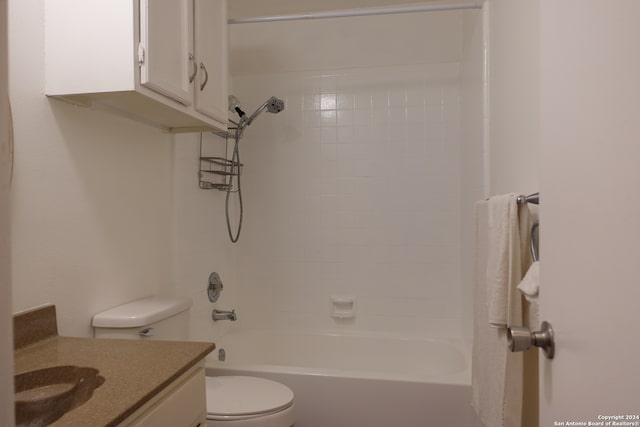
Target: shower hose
<point x="235" y="163"/>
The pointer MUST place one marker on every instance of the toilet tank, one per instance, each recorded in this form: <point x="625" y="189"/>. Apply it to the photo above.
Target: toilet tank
<point x="158" y="318"/>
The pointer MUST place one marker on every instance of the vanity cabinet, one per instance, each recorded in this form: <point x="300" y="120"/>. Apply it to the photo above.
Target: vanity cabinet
<point x="162" y="62"/>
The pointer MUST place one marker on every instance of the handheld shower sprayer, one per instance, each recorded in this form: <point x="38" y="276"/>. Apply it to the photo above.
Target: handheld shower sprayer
<point x="272" y="105"/>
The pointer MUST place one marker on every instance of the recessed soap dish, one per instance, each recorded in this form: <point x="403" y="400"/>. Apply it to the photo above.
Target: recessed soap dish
<point x="343" y="307"/>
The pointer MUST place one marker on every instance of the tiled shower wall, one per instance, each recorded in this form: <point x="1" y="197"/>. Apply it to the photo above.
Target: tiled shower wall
<point x="353" y="192"/>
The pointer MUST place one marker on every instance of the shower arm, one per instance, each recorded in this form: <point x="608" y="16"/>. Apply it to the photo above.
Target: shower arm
<point x="247" y="122"/>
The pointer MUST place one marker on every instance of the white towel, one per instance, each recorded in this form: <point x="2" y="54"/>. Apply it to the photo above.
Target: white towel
<point x="530" y="284"/>
<point x="509" y="226"/>
<point x="501" y="255"/>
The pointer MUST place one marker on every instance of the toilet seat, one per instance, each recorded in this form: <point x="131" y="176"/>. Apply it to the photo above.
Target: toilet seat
<point x="233" y="398"/>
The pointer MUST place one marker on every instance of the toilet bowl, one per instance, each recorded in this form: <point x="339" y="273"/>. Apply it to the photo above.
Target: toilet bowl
<point x="233" y="401"/>
<point x="239" y="401"/>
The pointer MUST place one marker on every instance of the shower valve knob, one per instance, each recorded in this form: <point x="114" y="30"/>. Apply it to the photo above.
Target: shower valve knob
<point x="214" y="287"/>
<point x="522" y="339"/>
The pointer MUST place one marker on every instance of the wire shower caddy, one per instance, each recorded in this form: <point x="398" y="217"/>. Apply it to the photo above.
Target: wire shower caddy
<point x="216" y="173"/>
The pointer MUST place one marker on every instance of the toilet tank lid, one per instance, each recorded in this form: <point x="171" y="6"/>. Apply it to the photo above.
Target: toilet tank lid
<point x="141" y="312"/>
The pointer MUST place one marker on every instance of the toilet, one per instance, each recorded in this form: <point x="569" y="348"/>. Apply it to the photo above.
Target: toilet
<point x="232" y="401"/>
<point x="240" y="401"/>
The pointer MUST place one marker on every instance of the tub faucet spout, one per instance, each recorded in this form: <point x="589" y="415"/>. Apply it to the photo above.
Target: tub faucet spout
<point x="224" y="315"/>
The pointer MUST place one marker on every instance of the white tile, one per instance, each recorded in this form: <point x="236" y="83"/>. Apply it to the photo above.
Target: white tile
<point x="415" y="114"/>
<point x="362" y="133"/>
<point x="345" y="101"/>
<point x="433" y="95"/>
<point x="379" y="98"/>
<point x="328" y="118"/>
<point x="328" y="151"/>
<point x="344" y="134"/>
<point x="397" y="98"/>
<point x="361" y="117"/>
<point x="328" y="101"/>
<point x="345" y="117"/>
<point x="362" y="100"/>
<point x="381" y="116"/>
<point x="397" y="115"/>
<point x="415" y="96"/>
<point x="358" y="191"/>
<point x="415" y="131"/>
<point x="312" y="118"/>
<point x="312" y="134"/>
<point x="311" y="102"/>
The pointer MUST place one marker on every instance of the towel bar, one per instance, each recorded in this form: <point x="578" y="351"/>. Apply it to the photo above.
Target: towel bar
<point x="531" y="198"/>
<point x="533" y="242"/>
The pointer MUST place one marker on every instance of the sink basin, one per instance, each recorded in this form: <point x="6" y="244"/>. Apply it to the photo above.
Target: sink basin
<point x="44" y="395"/>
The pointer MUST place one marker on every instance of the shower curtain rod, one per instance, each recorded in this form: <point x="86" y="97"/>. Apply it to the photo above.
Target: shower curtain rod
<point x="361" y="12"/>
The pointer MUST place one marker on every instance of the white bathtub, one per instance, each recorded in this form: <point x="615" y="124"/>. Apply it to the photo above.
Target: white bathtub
<point x="356" y="380"/>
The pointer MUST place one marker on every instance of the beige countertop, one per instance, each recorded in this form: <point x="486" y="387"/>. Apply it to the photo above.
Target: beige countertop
<point x="134" y="370"/>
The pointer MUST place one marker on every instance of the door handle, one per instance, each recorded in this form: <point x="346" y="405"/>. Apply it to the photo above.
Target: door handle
<point x="522" y="339"/>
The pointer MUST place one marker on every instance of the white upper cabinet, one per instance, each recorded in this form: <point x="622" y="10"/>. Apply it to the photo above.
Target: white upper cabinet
<point x="211" y="85"/>
<point x="166" y="48"/>
<point x="162" y="62"/>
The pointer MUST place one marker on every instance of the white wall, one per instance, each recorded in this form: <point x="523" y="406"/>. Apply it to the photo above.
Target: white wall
<point x="6" y="336"/>
<point x="414" y="38"/>
<point x="200" y="242"/>
<point x="91" y="197"/>
<point x="514" y="84"/>
<point x="473" y="186"/>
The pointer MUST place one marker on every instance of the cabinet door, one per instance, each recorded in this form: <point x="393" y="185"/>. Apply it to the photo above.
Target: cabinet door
<point x="184" y="406"/>
<point x="211" y="54"/>
<point x="165" y="54"/>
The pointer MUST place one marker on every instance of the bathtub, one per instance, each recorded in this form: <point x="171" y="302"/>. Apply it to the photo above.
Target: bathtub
<point x="357" y="380"/>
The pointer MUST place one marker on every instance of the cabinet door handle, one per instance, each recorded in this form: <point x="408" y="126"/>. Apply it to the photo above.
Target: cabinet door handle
<point x="192" y="60"/>
<point x="206" y="76"/>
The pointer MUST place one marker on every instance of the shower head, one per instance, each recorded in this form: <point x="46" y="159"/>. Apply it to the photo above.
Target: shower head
<point x="275" y="105"/>
<point x="272" y="105"/>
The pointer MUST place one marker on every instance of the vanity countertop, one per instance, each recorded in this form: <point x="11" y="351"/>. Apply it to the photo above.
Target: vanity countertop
<point x="134" y="370"/>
